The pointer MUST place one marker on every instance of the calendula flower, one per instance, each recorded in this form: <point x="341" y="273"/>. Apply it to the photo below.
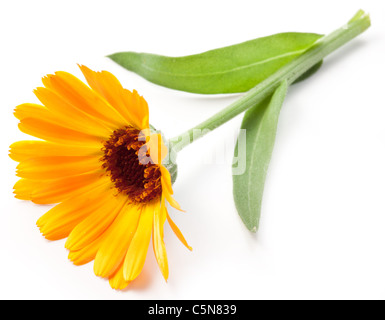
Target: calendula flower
<point x="100" y="162"/>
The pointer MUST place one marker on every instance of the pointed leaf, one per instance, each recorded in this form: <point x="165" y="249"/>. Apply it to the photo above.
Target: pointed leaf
<point x="260" y="123"/>
<point x="231" y="69"/>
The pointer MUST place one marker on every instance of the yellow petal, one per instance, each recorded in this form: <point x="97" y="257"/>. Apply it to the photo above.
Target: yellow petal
<point x="177" y="232"/>
<point x="80" y="96"/>
<point x="23" y="150"/>
<point x="138" y="108"/>
<point x="87" y="253"/>
<point x="28" y="111"/>
<point x="96" y="223"/>
<point x="58" y="222"/>
<point x="117" y="280"/>
<point x="116" y="241"/>
<point x="56" y="167"/>
<point x="24" y="188"/>
<point x="166" y="180"/>
<point x="167" y="188"/>
<point x="57" y="190"/>
<point x="157" y="149"/>
<point x="171" y="200"/>
<point x="137" y="251"/>
<point x="160" y="216"/>
<point x="67" y="113"/>
<point x="50" y="131"/>
<point x="130" y="105"/>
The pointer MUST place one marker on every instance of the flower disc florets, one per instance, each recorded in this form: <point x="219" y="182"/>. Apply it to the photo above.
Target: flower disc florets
<point x="122" y="159"/>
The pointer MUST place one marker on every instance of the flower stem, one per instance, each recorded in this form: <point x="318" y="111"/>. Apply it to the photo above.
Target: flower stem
<point x="290" y="72"/>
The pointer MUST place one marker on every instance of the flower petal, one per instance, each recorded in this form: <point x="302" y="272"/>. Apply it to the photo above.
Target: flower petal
<point x="70" y="115"/>
<point x="58" y="222"/>
<point x="50" y="131"/>
<point x="28" y="111"/>
<point x="157" y="239"/>
<point x="116" y="241"/>
<point x="96" y="223"/>
<point x="129" y="104"/>
<point x="167" y="188"/>
<point x="171" y="200"/>
<point x="177" y="232"/>
<point x="57" y="190"/>
<point x="87" y="253"/>
<point x="166" y="180"/>
<point x="117" y="280"/>
<point x="80" y="96"/>
<point x="43" y="168"/>
<point x="156" y="148"/>
<point x="137" y="251"/>
<point x="23" y="150"/>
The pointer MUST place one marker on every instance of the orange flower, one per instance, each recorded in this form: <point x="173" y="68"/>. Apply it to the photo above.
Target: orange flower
<point x="100" y="161"/>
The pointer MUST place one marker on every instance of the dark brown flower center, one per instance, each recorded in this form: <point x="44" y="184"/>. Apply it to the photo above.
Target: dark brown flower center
<point x="121" y="159"/>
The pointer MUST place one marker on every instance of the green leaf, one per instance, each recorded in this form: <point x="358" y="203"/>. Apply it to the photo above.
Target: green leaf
<point x="231" y="69"/>
<point x="260" y="123"/>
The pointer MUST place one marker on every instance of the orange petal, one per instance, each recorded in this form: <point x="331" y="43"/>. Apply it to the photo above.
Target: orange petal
<point x="159" y="247"/>
<point x="137" y="251"/>
<point x="117" y="280"/>
<point x="87" y="253"/>
<point x="28" y="111"/>
<point x="171" y="200"/>
<point x="96" y="223"/>
<point x="166" y="179"/>
<point x="116" y="241"/>
<point x="58" y="222"/>
<point x="50" y="131"/>
<point x="57" y="190"/>
<point x="138" y="108"/>
<point x="130" y="105"/>
<point x="56" y="167"/>
<point x="167" y="188"/>
<point x="156" y="147"/>
<point x="72" y="116"/>
<point x="80" y="96"/>
<point x="23" y="150"/>
<point x="177" y="232"/>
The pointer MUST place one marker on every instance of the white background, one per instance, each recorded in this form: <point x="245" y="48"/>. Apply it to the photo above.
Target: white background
<point x="322" y="232"/>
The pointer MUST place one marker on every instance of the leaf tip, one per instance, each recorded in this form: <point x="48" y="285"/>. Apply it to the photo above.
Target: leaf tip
<point x="111" y="56"/>
<point x="254" y="229"/>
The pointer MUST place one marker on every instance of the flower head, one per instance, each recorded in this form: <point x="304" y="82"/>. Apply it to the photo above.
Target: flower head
<point x="100" y="162"/>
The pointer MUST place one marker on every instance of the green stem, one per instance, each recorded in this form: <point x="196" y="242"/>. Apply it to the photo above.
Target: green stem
<point x="290" y="72"/>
